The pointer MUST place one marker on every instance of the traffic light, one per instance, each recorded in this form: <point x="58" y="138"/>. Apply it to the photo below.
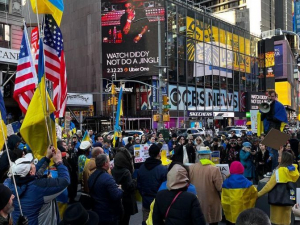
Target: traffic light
<point x="109" y="102"/>
<point x="114" y="100"/>
<point x="156" y="117"/>
<point x="165" y="100"/>
<point x="166" y="117"/>
<point x="113" y="89"/>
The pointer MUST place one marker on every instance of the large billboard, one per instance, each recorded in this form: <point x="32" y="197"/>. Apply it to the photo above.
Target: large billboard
<point x="206" y="50"/>
<point x="130" y="36"/>
<point x="200" y="99"/>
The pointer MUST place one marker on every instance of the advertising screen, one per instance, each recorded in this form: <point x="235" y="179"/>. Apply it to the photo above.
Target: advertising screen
<point x="130" y="36"/>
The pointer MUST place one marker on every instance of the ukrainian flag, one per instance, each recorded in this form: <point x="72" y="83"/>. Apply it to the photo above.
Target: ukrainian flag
<point x="3" y="122"/>
<point x="238" y="194"/>
<point x="53" y="7"/>
<point x="86" y="136"/>
<point x="118" y="116"/>
<point x="34" y="130"/>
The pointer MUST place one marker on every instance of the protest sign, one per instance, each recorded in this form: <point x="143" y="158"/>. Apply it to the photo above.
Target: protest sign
<point x="275" y="139"/>
<point x="224" y="169"/>
<point x="141" y="153"/>
<point x="215" y="157"/>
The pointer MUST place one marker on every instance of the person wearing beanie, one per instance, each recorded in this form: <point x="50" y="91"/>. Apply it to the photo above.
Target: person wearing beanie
<point x="247" y="160"/>
<point x="149" y="178"/>
<point x="122" y="172"/>
<point x="6" y="204"/>
<point x="185" y="208"/>
<point x="238" y="193"/>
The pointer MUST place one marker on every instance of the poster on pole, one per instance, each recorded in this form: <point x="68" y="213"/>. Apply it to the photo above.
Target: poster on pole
<point x="253" y="114"/>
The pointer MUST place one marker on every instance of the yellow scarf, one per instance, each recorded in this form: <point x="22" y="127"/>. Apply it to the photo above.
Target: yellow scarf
<point x="205" y="162"/>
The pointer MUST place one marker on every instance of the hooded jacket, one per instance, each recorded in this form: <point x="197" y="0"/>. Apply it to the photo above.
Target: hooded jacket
<point x="149" y="178"/>
<point x="280" y="214"/>
<point x="186" y="207"/>
<point x="89" y="168"/>
<point x="37" y="195"/>
<point x="238" y="194"/>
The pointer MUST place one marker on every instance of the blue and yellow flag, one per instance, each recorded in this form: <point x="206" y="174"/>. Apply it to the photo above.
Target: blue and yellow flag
<point x="117" y="128"/>
<point x="3" y="122"/>
<point x="53" y="7"/>
<point x="86" y="136"/>
<point x="34" y="130"/>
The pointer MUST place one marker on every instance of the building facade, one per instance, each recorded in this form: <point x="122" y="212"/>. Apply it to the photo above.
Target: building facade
<point x="11" y="23"/>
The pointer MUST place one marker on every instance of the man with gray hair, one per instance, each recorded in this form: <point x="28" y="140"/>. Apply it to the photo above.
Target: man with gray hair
<point x="90" y="168"/>
<point x="105" y="192"/>
<point x="208" y="181"/>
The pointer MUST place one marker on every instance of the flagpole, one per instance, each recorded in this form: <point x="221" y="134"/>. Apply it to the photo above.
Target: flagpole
<point x="48" y="122"/>
<point x="10" y="164"/>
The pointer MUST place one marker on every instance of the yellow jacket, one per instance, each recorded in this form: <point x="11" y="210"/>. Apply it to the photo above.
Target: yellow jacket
<point x="280" y="214"/>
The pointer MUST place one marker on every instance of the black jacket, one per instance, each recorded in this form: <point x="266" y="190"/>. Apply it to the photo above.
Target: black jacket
<point x="178" y="154"/>
<point x="123" y="177"/>
<point x="185" y="210"/>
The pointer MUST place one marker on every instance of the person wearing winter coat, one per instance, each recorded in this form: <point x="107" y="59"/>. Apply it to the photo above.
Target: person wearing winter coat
<point x="37" y="195"/>
<point x="238" y="193"/>
<point x="190" y="149"/>
<point x="90" y="168"/>
<point x="175" y="205"/>
<point x="149" y="178"/>
<point x="285" y="172"/>
<point x="178" y="151"/>
<point x="208" y="181"/>
<point x="105" y="192"/>
<point x="263" y="162"/>
<point x="246" y="160"/>
<point x="122" y="172"/>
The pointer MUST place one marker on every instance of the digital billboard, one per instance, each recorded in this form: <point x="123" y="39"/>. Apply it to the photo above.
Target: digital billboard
<point x="130" y="36"/>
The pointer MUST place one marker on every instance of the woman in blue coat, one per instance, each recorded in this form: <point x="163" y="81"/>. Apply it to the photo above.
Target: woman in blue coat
<point x="246" y="159"/>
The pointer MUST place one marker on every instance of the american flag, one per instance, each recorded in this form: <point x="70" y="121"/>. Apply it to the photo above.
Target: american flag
<point x="55" y="67"/>
<point x="26" y="78"/>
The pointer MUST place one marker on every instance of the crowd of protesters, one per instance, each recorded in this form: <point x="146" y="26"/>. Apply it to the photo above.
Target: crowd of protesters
<point x="92" y="182"/>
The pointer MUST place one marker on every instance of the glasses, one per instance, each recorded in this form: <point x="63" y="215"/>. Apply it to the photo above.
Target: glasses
<point x="233" y="143"/>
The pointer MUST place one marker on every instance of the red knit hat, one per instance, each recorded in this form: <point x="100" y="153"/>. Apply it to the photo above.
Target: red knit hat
<point x="236" y="168"/>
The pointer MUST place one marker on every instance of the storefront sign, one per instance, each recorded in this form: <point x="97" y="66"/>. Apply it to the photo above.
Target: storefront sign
<point x="117" y="89"/>
<point x="199" y="99"/>
<point x="9" y="55"/>
<point x="129" y="36"/>
<point x="200" y="114"/>
<point x="78" y="99"/>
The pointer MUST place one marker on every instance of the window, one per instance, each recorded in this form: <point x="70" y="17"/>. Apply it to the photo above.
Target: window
<point x="4" y="35"/>
<point x="4" y="5"/>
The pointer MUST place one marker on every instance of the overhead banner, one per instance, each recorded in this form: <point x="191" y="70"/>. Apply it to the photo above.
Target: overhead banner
<point x="130" y="36"/>
<point x="200" y="99"/>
